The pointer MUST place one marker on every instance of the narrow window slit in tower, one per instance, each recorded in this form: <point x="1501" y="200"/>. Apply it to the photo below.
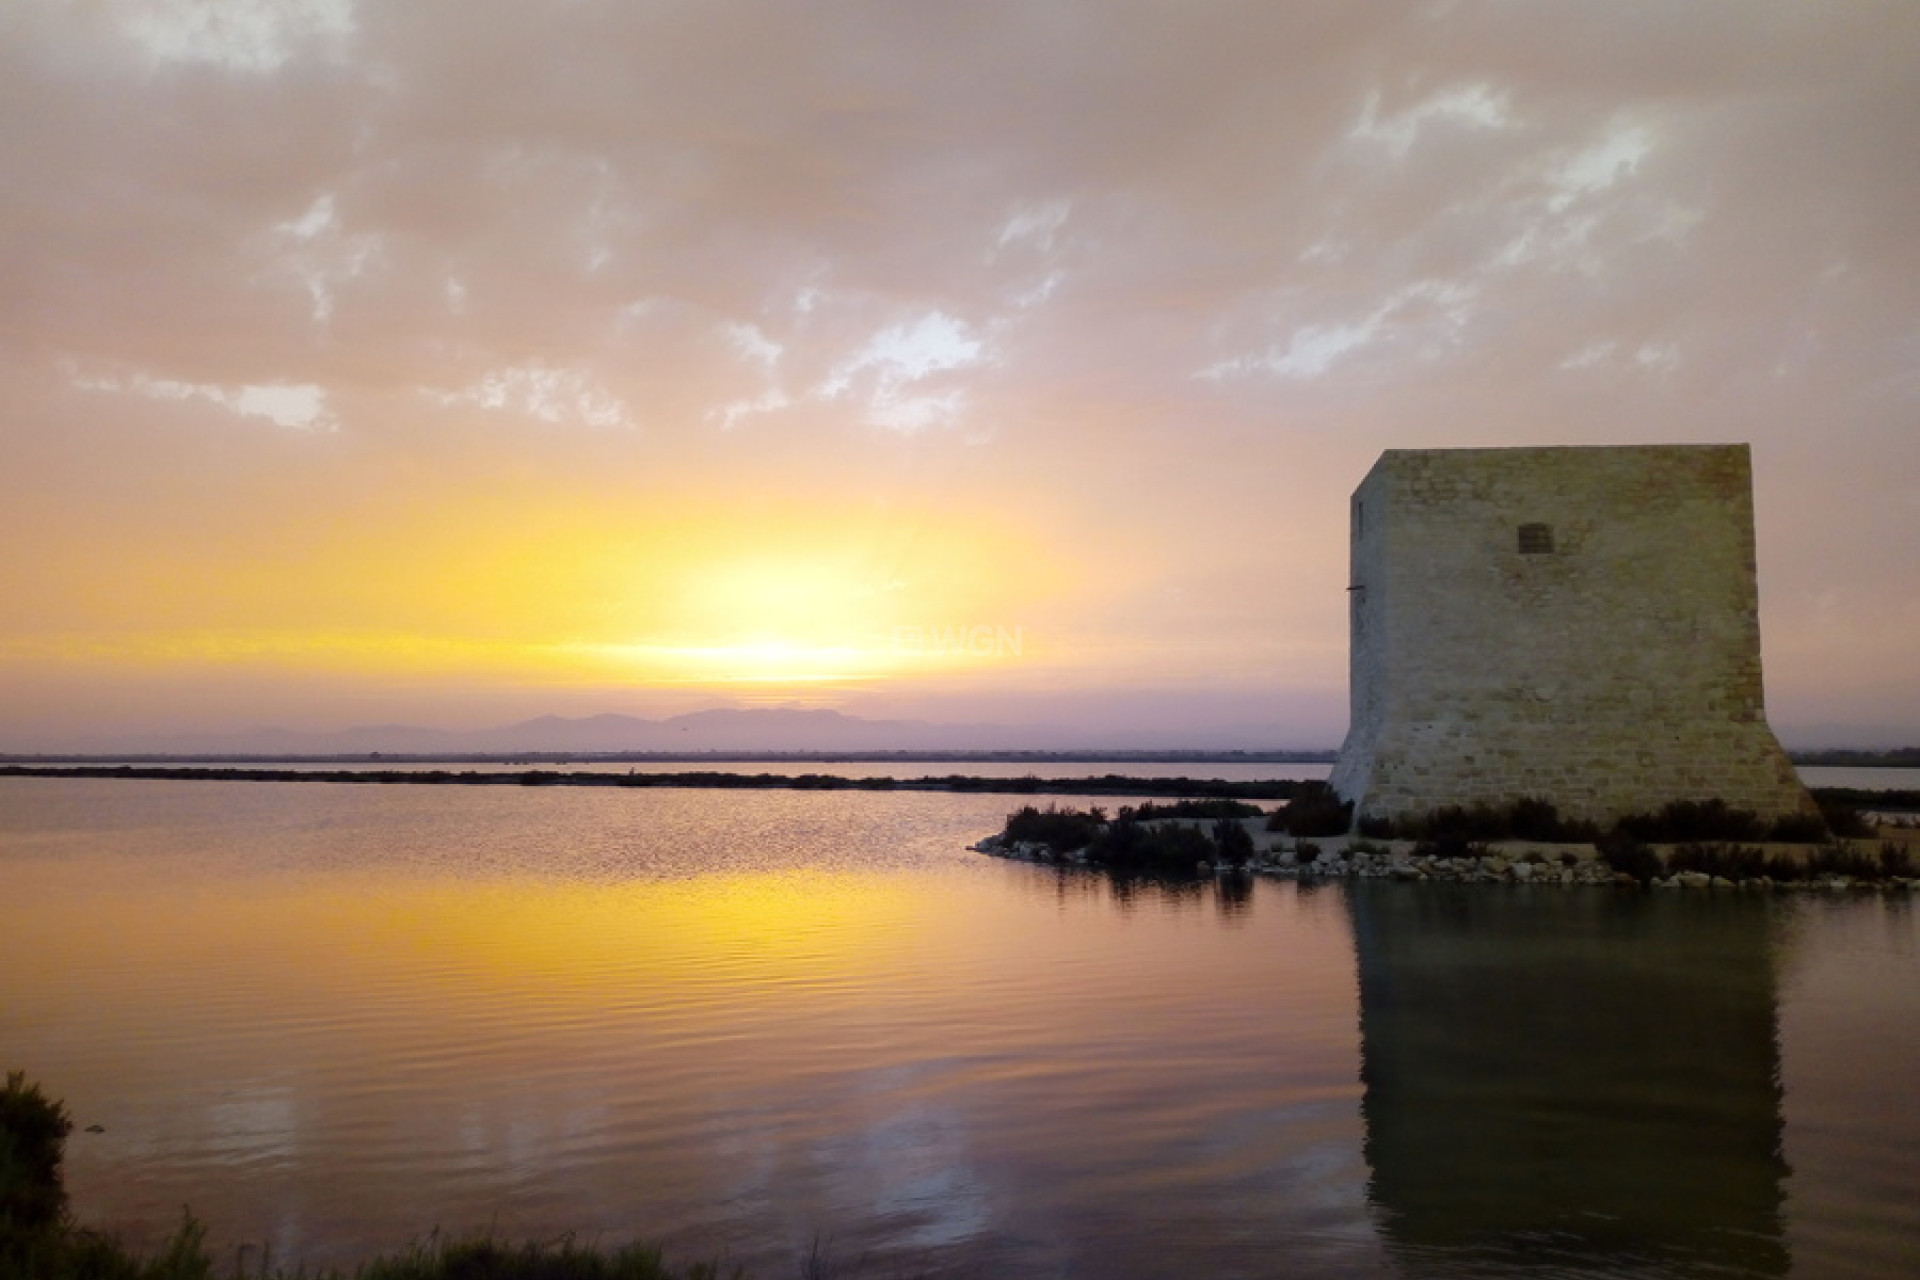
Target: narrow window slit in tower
<point x="1536" y="539"/>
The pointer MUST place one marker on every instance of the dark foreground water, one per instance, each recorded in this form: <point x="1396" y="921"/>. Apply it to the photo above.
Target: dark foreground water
<point x="333" y="1018"/>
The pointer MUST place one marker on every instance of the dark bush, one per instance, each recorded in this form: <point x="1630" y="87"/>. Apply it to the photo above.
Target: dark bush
<point x="1534" y="819"/>
<point x="1061" y="830"/>
<point x="1627" y="856"/>
<point x="1450" y="845"/>
<point x="1232" y="843"/>
<point x="1215" y="808"/>
<point x="1786" y="868"/>
<point x="33" y="1136"/>
<point x="1735" y="862"/>
<point x="1314" y="811"/>
<point x="1839" y="860"/>
<point x="1135" y="846"/>
<point x="1905" y="799"/>
<point x="1375" y="827"/>
<point x="1529" y="818"/>
<point x="1800" y="828"/>
<point x="1692" y="821"/>
<point x="1839" y="817"/>
<point x="1459" y="822"/>
<point x="1895" y="860"/>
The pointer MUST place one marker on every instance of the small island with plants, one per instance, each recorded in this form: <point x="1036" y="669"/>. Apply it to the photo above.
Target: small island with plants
<point x="1685" y="845"/>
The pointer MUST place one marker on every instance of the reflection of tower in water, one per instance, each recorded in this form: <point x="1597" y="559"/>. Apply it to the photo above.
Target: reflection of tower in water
<point x="1561" y="1079"/>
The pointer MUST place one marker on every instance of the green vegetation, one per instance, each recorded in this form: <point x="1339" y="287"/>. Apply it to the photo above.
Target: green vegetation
<point x="1842" y="818"/>
<point x="1314" y="810"/>
<point x="1127" y="845"/>
<point x="1732" y="861"/>
<point x="1695" y="820"/>
<point x="1524" y="819"/>
<point x="1451" y="844"/>
<point x="1232" y="843"/>
<point x="1061" y="830"/>
<point x="1889" y="801"/>
<point x="1751" y="862"/>
<point x="1682" y="821"/>
<point x="1897" y="758"/>
<point x="1157" y="839"/>
<point x="1214" y="809"/>
<point x="33" y="1135"/>
<point x="1896" y="861"/>
<point x="40" y="1241"/>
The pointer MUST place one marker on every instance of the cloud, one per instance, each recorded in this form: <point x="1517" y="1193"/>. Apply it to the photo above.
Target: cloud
<point x="541" y="393"/>
<point x="1472" y="106"/>
<point x="301" y="406"/>
<point x="1034" y="224"/>
<point x="1161" y="278"/>
<point x="894" y="366"/>
<point x="254" y="36"/>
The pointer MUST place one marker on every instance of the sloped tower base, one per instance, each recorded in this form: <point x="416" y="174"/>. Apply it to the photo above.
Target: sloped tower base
<point x="1574" y="625"/>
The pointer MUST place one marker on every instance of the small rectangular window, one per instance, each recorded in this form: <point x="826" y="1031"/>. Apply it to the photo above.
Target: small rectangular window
<point x="1536" y="539"/>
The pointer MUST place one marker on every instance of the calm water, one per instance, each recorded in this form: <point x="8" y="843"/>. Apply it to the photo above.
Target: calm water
<point x="331" y="1018"/>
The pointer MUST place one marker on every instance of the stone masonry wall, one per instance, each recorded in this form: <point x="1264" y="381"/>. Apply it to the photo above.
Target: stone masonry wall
<point x="1613" y="673"/>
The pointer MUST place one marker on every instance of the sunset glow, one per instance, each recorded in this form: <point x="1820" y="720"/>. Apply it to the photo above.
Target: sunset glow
<point x="957" y="363"/>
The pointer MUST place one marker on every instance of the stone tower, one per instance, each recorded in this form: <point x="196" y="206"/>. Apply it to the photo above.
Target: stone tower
<point x="1579" y="625"/>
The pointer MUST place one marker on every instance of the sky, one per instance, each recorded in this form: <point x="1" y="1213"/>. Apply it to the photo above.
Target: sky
<point x="452" y="362"/>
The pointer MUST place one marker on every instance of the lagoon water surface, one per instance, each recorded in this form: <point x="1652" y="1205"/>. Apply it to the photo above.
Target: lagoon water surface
<point x="330" y="1018"/>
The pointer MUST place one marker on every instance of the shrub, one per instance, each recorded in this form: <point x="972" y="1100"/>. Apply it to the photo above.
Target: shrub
<point x="1528" y="818"/>
<point x="1627" y="856"/>
<point x="1839" y="860"/>
<point x="1895" y="860"/>
<point x="1800" y="828"/>
<point x="1735" y="862"/>
<point x="33" y="1136"/>
<point x="1692" y="821"/>
<point x="1214" y="808"/>
<point x="1126" y="845"/>
<point x="1785" y="868"/>
<point x="1231" y="842"/>
<point x="1837" y="816"/>
<point x="1061" y="830"/>
<point x="562" y="1260"/>
<point x="1459" y="823"/>
<point x="1451" y="844"/>
<point x="1314" y="811"/>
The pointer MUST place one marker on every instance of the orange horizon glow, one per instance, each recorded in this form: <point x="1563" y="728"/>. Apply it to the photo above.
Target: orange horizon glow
<point x="709" y="598"/>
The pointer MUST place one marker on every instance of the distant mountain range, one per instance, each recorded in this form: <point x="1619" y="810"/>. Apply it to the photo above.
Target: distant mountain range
<point x="775" y="730"/>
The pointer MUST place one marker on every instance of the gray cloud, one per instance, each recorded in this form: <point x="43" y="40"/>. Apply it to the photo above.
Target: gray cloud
<point x="1161" y="276"/>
